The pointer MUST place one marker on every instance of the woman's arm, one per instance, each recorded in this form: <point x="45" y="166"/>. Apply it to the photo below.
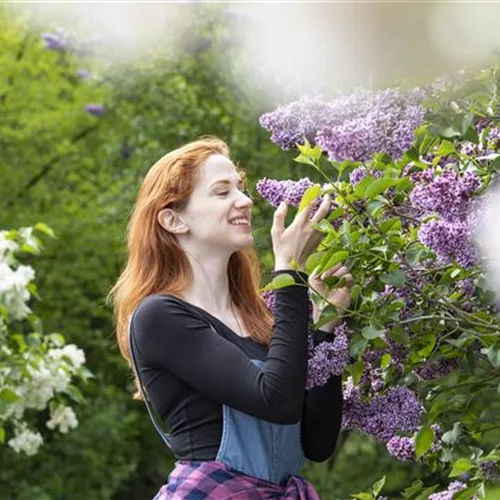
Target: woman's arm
<point x="168" y="335"/>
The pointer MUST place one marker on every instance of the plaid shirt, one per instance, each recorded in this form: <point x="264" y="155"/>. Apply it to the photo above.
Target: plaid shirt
<point x="200" y="480"/>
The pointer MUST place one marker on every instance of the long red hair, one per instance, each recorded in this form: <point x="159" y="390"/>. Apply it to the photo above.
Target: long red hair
<point x="156" y="262"/>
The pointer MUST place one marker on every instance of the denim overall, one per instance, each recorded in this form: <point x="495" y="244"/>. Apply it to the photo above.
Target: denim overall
<point x="248" y="444"/>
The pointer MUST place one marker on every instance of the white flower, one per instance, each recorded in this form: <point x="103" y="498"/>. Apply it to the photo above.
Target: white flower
<point x="26" y="233"/>
<point x="75" y="355"/>
<point x="63" y="417"/>
<point x="26" y="442"/>
<point x="13" y="290"/>
<point x="7" y="248"/>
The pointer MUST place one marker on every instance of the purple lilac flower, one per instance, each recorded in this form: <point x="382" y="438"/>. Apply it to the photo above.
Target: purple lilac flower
<point x="450" y="241"/>
<point x="453" y="488"/>
<point x="328" y="358"/>
<point x="447" y="194"/>
<point x="84" y="74"/>
<point x="358" y="174"/>
<point x="274" y="191"/>
<point x="490" y="470"/>
<point x="95" y="109"/>
<point x="382" y="122"/>
<point x="397" y="411"/>
<point x="269" y="298"/>
<point x="294" y="122"/>
<point x="54" y="42"/>
<point x="440" y="368"/>
<point x="403" y="448"/>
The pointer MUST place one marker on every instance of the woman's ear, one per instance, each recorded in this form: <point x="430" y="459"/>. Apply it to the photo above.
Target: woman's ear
<point x="170" y="220"/>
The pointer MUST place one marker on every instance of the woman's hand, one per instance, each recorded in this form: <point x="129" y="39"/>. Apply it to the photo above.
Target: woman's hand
<point x="339" y="297"/>
<point x="295" y="243"/>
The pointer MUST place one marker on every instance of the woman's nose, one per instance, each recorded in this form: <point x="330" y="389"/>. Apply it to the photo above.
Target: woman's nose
<point x="244" y="200"/>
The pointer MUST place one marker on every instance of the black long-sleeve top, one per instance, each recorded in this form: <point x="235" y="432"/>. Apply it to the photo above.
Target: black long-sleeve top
<point x="190" y="370"/>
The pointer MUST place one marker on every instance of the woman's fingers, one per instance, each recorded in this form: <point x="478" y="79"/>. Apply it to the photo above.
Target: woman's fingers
<point x="323" y="210"/>
<point x="279" y="220"/>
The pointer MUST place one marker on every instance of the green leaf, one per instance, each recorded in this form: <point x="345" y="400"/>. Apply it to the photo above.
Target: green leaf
<point x="425" y="494"/>
<point x="371" y="332"/>
<point x="399" y="334"/>
<point x="314" y="261"/>
<point x="337" y="257"/>
<point x="493" y="354"/>
<point x="467" y="122"/>
<point x="466" y="494"/>
<point x="451" y="437"/>
<point x="309" y="196"/>
<point x="423" y="441"/>
<point x="412" y="490"/>
<point x="43" y="228"/>
<point x="374" y="206"/>
<point x="446" y="148"/>
<point x="2" y="435"/>
<point x="460" y="466"/>
<point x="395" y="278"/>
<point x="363" y="184"/>
<point x="377" y="486"/>
<point x="280" y="281"/>
<point x="362" y="496"/>
<point x="356" y="370"/>
<point x="8" y="396"/>
<point x="304" y="159"/>
<point x="378" y="186"/>
<point x="385" y="360"/>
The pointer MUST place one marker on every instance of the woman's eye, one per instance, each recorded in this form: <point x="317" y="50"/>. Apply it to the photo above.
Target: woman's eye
<point x="223" y="193"/>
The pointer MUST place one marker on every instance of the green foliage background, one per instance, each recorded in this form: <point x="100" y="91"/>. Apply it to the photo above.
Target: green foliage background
<point x="79" y="174"/>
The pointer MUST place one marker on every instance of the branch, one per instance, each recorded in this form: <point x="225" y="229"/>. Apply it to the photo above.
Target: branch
<point x="47" y="167"/>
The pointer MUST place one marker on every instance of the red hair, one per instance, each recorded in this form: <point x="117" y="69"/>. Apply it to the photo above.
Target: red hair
<point x="156" y="262"/>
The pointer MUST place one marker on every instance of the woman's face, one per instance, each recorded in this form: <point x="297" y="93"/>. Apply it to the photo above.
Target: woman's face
<point x="218" y="213"/>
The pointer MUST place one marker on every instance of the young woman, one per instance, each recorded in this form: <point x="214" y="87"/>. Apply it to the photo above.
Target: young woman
<point x="226" y="377"/>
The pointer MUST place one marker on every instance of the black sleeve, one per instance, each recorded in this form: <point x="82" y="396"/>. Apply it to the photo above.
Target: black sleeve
<point x="322" y="414"/>
<point x="170" y="336"/>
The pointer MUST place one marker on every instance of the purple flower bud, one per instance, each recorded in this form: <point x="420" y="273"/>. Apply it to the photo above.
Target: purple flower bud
<point x="84" y="74"/>
<point x="54" y="42"/>
<point x="95" y="109"/>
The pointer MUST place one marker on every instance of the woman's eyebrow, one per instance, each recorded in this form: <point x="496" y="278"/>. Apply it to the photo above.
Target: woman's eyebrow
<point x="226" y="182"/>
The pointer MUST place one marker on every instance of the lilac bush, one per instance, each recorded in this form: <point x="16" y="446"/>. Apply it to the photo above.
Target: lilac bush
<point x="407" y="170"/>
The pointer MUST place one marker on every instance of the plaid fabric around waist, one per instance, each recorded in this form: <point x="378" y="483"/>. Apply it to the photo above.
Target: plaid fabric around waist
<point x="199" y="480"/>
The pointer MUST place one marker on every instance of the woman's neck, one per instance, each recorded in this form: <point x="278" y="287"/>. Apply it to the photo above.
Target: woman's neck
<point x="210" y="286"/>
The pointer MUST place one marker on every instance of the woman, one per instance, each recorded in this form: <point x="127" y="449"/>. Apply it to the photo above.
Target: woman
<point x="227" y="379"/>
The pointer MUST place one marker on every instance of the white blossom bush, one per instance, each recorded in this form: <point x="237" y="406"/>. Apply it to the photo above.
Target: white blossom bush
<point x="38" y="372"/>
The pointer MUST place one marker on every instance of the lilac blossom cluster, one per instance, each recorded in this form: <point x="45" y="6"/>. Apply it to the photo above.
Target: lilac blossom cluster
<point x="354" y="126"/>
<point x="453" y="487"/>
<point x="450" y="241"/>
<point x="57" y="41"/>
<point x="328" y="358"/>
<point x="358" y="174"/>
<point x="397" y="411"/>
<point x="490" y="470"/>
<point x="385" y="122"/>
<point x="294" y="122"/>
<point x="403" y="448"/>
<point x="275" y="191"/>
<point x="448" y="196"/>
<point x="440" y="368"/>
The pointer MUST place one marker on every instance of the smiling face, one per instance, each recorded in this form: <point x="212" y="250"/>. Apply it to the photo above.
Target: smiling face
<point x="218" y="212"/>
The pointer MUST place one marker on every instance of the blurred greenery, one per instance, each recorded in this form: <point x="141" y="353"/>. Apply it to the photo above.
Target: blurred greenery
<point x="79" y="174"/>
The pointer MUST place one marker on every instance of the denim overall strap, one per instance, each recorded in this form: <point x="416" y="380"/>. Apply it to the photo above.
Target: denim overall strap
<point x="164" y="435"/>
<point x="259" y="448"/>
